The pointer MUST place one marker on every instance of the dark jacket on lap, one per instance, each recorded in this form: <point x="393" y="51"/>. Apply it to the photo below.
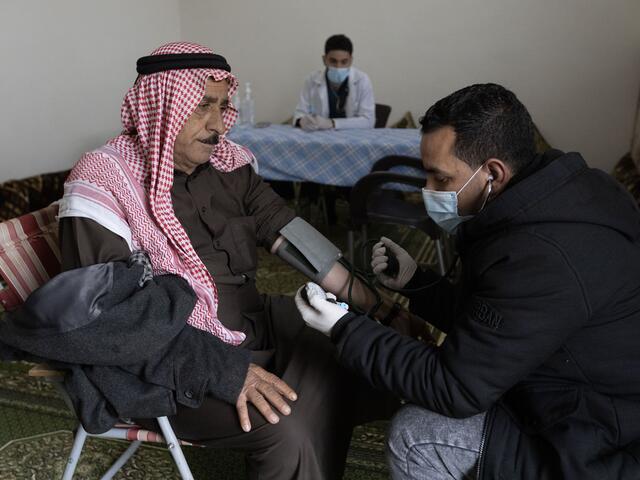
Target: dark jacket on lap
<point x="542" y="329"/>
<point x="128" y="348"/>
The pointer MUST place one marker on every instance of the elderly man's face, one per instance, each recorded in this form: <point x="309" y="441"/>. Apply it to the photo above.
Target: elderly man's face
<point x="200" y="133"/>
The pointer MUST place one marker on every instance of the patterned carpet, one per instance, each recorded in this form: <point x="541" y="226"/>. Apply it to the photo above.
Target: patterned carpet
<point x="36" y="427"/>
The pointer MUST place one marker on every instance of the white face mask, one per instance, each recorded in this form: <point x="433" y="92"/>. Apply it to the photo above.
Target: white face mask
<point x="442" y="207"/>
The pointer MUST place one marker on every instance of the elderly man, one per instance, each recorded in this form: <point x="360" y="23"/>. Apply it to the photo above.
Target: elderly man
<point x="173" y="186"/>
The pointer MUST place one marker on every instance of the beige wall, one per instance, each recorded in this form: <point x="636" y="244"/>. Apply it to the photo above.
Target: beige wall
<point x="64" y="68"/>
<point x="574" y="63"/>
<point x="66" y="64"/>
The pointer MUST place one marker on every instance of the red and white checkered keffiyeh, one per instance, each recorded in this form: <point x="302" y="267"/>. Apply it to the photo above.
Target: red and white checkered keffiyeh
<point x="129" y="180"/>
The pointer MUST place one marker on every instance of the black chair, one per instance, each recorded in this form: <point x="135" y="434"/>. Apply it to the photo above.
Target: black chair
<point x="382" y="115"/>
<point x="371" y="202"/>
<point x="391" y="161"/>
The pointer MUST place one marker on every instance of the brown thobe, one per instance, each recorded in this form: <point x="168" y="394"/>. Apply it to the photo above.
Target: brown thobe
<point x="226" y="215"/>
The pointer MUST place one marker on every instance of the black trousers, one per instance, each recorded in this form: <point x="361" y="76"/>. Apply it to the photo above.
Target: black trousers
<point x="310" y="443"/>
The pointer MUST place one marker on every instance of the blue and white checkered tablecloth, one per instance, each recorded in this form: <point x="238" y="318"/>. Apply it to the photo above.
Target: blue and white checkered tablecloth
<point x="330" y="157"/>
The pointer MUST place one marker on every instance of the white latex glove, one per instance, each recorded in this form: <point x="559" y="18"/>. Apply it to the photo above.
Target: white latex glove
<point x="308" y="123"/>
<point x="379" y="263"/>
<point x="319" y="313"/>
<point x="323" y="123"/>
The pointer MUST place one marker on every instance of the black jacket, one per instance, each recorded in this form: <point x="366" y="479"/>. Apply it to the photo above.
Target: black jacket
<point x="128" y="348"/>
<point x="543" y="330"/>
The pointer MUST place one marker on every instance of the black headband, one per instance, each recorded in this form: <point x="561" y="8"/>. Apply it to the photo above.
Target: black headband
<point x="180" y="61"/>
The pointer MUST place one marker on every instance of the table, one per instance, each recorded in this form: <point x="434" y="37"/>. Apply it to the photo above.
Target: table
<point x="329" y="157"/>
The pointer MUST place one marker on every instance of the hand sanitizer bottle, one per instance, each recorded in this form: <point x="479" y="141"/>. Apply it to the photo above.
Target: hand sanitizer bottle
<point x="247" y="107"/>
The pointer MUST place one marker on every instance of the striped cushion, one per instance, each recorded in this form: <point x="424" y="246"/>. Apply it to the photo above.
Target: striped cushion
<point x="135" y="432"/>
<point x="29" y="254"/>
<point x="19" y="197"/>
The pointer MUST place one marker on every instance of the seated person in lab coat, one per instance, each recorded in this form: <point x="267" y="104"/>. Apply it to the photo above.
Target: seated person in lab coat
<point x="339" y="96"/>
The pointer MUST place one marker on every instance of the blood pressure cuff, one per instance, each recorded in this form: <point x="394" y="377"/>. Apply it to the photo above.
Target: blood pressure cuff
<point x="307" y="250"/>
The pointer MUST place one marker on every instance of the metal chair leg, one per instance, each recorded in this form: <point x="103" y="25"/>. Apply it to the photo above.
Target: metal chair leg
<point x="124" y="458"/>
<point x="322" y="206"/>
<point x="174" y="448"/>
<point x="76" y="450"/>
<point x="297" y="189"/>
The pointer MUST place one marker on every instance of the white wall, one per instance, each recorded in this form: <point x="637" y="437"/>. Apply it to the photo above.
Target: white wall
<point x="574" y="63"/>
<point x="65" y="66"/>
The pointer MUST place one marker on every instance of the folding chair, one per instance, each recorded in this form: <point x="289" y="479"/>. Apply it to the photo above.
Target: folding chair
<point x="29" y="256"/>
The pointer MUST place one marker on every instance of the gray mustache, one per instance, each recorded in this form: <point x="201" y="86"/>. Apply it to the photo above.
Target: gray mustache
<point x="212" y="140"/>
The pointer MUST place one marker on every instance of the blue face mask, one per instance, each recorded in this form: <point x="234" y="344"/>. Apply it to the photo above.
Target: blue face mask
<point x="442" y="207"/>
<point x="337" y="75"/>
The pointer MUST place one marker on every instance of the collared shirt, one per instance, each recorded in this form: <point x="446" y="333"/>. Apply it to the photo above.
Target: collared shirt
<point x="226" y="215"/>
<point x="337" y="98"/>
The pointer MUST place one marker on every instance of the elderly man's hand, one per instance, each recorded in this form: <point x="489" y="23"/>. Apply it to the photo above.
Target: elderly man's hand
<point x="263" y="389"/>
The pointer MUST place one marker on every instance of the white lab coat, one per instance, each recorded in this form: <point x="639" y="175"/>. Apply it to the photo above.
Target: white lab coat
<point x="360" y="108"/>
